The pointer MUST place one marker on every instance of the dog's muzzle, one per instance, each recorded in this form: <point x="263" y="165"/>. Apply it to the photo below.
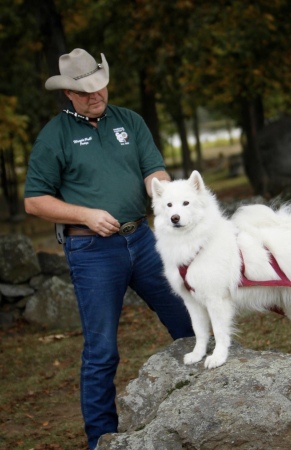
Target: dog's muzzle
<point x="130" y="227"/>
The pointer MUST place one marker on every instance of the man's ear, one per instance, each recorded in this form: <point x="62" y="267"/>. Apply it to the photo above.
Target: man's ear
<point x="68" y="94"/>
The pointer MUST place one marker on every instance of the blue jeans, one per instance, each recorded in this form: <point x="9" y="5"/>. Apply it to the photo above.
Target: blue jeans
<point x="101" y="270"/>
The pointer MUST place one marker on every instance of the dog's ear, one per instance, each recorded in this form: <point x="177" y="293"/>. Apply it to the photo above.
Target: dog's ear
<point x="196" y="180"/>
<point x="157" y="187"/>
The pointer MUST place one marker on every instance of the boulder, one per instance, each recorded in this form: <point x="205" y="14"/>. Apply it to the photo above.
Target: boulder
<point x="52" y="263"/>
<point x="12" y="292"/>
<point x="243" y="404"/>
<point x="54" y="305"/>
<point x="18" y="260"/>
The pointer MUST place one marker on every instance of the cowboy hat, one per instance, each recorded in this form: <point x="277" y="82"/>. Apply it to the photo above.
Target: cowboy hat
<point x="80" y="72"/>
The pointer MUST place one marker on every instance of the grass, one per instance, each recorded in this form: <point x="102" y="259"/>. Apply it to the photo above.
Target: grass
<point x="40" y="373"/>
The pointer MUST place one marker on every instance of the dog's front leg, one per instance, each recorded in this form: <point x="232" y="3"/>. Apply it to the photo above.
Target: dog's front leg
<point x="201" y="326"/>
<point x="221" y="312"/>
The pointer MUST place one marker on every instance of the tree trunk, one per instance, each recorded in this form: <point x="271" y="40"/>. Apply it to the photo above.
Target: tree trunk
<point x="52" y="36"/>
<point x="9" y="181"/>
<point x="149" y="109"/>
<point x="198" y="148"/>
<point x="252" y="122"/>
<point x="187" y="164"/>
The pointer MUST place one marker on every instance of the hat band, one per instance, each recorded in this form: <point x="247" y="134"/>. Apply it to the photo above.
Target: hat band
<point x="99" y="66"/>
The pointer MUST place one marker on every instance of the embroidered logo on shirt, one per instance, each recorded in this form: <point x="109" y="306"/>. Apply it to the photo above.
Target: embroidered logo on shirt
<point x="84" y="141"/>
<point x="121" y="135"/>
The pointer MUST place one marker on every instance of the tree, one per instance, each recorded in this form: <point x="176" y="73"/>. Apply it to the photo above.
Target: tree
<point x="233" y="56"/>
<point x="14" y="138"/>
<point x="244" y="59"/>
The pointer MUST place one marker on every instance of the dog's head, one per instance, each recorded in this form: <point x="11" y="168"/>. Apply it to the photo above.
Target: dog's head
<point x="180" y="204"/>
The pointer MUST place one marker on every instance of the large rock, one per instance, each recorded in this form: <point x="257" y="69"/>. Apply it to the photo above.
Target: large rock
<point x="243" y="404"/>
<point x="12" y="291"/>
<point x="52" y="263"/>
<point x="18" y="261"/>
<point x="54" y="305"/>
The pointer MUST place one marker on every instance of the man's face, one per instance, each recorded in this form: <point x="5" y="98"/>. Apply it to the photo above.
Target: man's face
<point x="90" y="105"/>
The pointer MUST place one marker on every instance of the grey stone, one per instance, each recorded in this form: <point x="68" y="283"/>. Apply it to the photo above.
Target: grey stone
<point x="38" y="280"/>
<point x="52" y="263"/>
<point x="243" y="404"/>
<point x="18" y="261"/>
<point x="54" y="305"/>
<point x="131" y="298"/>
<point x="15" y="290"/>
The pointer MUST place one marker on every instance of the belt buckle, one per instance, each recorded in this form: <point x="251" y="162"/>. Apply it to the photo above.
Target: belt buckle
<point x="127" y="228"/>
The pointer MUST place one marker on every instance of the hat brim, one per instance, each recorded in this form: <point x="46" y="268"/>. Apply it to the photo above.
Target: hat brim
<point x="91" y="83"/>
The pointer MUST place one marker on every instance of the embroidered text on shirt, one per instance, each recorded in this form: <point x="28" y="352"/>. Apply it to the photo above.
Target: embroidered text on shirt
<point x="84" y="141"/>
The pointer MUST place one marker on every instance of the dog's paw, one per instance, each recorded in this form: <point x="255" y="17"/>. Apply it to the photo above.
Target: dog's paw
<point x="192" y="358"/>
<point x="213" y="361"/>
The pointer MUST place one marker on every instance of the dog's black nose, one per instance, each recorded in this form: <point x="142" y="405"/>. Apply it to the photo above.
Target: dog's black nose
<point x="175" y="218"/>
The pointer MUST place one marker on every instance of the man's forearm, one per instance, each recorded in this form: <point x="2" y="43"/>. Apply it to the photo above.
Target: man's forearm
<point x="161" y="175"/>
<point x="55" y="210"/>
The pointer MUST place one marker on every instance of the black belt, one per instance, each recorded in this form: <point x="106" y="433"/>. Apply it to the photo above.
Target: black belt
<point x="125" y="229"/>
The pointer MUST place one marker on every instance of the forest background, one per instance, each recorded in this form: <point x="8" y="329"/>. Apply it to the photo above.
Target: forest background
<point x="169" y="60"/>
<point x="172" y="61"/>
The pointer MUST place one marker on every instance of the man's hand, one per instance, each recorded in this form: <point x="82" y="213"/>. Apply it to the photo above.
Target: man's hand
<point x="101" y="222"/>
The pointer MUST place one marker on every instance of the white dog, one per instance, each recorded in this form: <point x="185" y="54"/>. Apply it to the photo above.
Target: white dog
<point x="217" y="265"/>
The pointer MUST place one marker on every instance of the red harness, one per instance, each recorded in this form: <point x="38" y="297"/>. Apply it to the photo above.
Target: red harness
<point x="284" y="280"/>
<point x="183" y="272"/>
<point x="245" y="282"/>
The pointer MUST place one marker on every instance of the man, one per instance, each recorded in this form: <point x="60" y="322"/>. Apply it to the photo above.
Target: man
<point x="91" y="168"/>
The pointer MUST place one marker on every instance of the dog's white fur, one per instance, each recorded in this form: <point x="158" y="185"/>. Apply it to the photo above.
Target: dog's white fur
<point x="191" y="230"/>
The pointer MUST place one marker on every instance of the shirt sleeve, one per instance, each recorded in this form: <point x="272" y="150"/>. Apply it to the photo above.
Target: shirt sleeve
<point x="44" y="170"/>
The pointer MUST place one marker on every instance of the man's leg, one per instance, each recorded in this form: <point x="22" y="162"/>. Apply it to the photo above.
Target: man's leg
<point x="151" y="285"/>
<point x="100" y="271"/>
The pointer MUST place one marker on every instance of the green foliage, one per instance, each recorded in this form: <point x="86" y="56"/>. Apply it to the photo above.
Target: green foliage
<point x="13" y="126"/>
<point x="192" y="53"/>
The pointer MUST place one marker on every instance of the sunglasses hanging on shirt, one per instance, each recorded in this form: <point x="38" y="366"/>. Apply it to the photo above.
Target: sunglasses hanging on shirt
<point x="88" y="119"/>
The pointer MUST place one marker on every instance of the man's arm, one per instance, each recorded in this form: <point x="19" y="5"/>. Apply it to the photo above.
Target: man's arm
<point x="161" y="175"/>
<point x="54" y="210"/>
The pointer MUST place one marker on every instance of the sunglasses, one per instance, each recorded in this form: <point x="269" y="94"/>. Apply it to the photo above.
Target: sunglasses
<point x="82" y="94"/>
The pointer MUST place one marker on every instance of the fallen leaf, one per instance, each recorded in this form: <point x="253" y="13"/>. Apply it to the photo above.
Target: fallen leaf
<point x="52" y="337"/>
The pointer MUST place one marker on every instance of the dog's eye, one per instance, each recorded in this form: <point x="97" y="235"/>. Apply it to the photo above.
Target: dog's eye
<point x="169" y="205"/>
<point x="185" y="203"/>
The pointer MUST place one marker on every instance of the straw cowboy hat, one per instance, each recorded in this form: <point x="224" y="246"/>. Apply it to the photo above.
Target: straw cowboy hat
<point x="80" y="72"/>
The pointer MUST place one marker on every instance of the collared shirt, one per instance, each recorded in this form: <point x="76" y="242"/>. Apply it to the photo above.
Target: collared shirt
<point x="101" y="167"/>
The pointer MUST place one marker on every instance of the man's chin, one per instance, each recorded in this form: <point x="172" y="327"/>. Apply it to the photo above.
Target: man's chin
<point x="98" y="109"/>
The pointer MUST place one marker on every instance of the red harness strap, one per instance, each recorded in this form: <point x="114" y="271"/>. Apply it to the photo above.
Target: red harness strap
<point x="284" y="280"/>
<point x="245" y="282"/>
<point x="183" y="272"/>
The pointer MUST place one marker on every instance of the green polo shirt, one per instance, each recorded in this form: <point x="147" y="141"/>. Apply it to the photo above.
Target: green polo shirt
<point x="101" y="167"/>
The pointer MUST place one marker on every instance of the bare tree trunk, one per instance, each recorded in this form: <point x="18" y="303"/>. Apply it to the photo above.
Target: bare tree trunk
<point x="198" y="148"/>
<point x="252" y="122"/>
<point x="149" y="110"/>
<point x="187" y="164"/>
<point x="9" y="182"/>
<point x="52" y="36"/>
